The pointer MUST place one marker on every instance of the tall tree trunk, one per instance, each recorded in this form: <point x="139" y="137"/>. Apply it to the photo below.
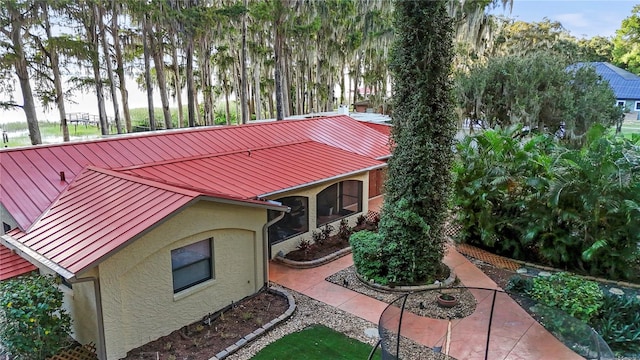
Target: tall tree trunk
<point x="277" y="47"/>
<point x="52" y="54"/>
<point x="94" y="40"/>
<point x="124" y="94"/>
<point x="21" y="67"/>
<point x="243" y="81"/>
<point x="190" y="84"/>
<point x="107" y="58"/>
<point x="204" y="57"/>
<point x="147" y="73"/>
<point x="177" y="85"/>
<point x="257" y="93"/>
<point x="158" y="54"/>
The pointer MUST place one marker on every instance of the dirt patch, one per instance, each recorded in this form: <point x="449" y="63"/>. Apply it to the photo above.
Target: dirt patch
<point x="204" y="339"/>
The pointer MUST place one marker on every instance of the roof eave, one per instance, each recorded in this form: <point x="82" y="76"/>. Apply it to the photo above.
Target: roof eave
<point x="34" y="257"/>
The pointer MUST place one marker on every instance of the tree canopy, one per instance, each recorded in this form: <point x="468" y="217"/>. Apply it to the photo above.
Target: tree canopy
<point x="539" y="91"/>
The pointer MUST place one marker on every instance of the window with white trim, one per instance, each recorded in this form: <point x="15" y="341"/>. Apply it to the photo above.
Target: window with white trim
<point x="192" y="265"/>
<point x="621" y="103"/>
<point x="637" y="108"/>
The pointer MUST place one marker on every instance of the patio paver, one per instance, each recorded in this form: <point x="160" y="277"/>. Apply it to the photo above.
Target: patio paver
<point x="514" y="334"/>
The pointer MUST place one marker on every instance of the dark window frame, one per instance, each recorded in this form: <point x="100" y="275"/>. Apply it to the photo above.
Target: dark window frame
<point x="289" y="217"/>
<point x="208" y="260"/>
<point x="326" y="213"/>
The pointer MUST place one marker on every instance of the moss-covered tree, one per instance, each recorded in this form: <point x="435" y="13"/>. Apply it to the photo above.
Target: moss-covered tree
<point x="417" y="189"/>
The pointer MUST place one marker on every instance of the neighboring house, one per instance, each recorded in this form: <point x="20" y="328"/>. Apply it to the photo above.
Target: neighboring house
<point x="625" y="85"/>
<point x="151" y="232"/>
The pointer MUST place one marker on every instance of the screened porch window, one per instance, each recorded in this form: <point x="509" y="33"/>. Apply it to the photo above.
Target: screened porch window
<point x="294" y="223"/>
<point x="339" y="200"/>
<point x="191" y="265"/>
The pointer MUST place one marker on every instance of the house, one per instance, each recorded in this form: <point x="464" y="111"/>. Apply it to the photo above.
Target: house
<point x="150" y="232"/>
<point x="625" y="85"/>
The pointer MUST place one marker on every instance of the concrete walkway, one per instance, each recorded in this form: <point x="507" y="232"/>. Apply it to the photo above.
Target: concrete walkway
<point x="514" y="334"/>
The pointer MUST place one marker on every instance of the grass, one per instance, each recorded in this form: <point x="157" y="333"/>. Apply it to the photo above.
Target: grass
<point x="51" y="132"/>
<point x="316" y="342"/>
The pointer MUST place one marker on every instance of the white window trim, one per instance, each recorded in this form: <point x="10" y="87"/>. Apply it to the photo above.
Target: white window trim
<point x="636" y="107"/>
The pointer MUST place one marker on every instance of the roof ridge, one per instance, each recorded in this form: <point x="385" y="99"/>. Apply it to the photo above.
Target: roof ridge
<point x="141" y="180"/>
<point x="206" y="156"/>
<point x="164" y="132"/>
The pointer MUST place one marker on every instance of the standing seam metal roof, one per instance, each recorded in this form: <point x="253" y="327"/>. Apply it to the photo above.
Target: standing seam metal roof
<point x="117" y="188"/>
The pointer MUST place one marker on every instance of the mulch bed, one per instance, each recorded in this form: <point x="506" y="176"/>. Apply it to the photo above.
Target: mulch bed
<point x="204" y="339"/>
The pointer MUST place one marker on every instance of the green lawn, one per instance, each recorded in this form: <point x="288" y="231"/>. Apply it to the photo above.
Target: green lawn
<point x="316" y="342"/>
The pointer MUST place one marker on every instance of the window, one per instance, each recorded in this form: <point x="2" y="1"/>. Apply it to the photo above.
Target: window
<point x="293" y="223"/>
<point x="6" y="227"/>
<point x="621" y="103"/>
<point x="191" y="265"/>
<point x="637" y="106"/>
<point x="339" y="200"/>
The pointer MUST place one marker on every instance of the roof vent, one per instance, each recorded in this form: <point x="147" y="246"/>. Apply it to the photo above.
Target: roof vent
<point x="62" y="177"/>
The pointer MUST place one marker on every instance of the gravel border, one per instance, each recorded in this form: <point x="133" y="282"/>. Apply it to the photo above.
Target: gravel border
<point x="310" y="312"/>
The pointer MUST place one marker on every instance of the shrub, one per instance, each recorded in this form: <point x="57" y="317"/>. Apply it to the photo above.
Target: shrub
<point x="576" y="296"/>
<point x="618" y="322"/>
<point x="519" y="284"/>
<point x="34" y="326"/>
<point x="403" y="233"/>
<point x="344" y="230"/>
<point x="498" y="178"/>
<point x="367" y="256"/>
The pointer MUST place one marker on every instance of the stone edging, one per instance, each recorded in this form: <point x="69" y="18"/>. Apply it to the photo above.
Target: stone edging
<point x="406" y="289"/>
<point x="313" y="263"/>
<point x="266" y="327"/>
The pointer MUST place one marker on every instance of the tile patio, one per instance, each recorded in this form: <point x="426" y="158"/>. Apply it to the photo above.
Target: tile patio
<point x="514" y="334"/>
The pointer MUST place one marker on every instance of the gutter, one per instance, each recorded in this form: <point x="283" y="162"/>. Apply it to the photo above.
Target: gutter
<point x="101" y="345"/>
<point x="265" y="245"/>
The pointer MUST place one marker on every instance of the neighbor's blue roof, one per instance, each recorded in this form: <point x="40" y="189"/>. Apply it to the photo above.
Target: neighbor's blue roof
<point x="625" y="85"/>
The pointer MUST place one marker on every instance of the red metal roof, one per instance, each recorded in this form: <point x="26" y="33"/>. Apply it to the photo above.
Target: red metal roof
<point x="12" y="265"/>
<point x="117" y="188"/>
<point x="99" y="212"/>
<point x="255" y="173"/>
<point x="31" y="176"/>
<point x="383" y="128"/>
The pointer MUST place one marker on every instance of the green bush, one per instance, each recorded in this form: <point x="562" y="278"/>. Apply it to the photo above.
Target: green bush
<point x="618" y="322"/>
<point x="367" y="256"/>
<point x="576" y="296"/>
<point x="519" y="284"/>
<point x="533" y="199"/>
<point x="499" y="175"/>
<point x="402" y="232"/>
<point x="33" y="324"/>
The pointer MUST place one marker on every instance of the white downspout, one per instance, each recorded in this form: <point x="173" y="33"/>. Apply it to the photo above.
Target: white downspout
<point x="265" y="245"/>
<point x="101" y="346"/>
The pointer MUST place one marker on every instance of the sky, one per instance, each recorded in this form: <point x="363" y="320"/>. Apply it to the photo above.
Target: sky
<point x="582" y="18"/>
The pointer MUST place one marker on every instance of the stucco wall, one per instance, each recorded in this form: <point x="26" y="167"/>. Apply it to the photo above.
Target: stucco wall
<point x="137" y="289"/>
<point x="311" y="192"/>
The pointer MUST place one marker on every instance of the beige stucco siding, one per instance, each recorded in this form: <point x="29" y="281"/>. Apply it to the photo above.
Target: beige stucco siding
<point x="137" y="285"/>
<point x="311" y="192"/>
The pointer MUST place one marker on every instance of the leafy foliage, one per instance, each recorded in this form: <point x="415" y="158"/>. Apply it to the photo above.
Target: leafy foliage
<point x="367" y="256"/>
<point x="499" y="178"/>
<point x="618" y="322"/>
<point x="577" y="297"/>
<point x="419" y="177"/>
<point x="534" y="199"/>
<point x="626" y="52"/>
<point x="33" y="325"/>
<point x="536" y="91"/>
